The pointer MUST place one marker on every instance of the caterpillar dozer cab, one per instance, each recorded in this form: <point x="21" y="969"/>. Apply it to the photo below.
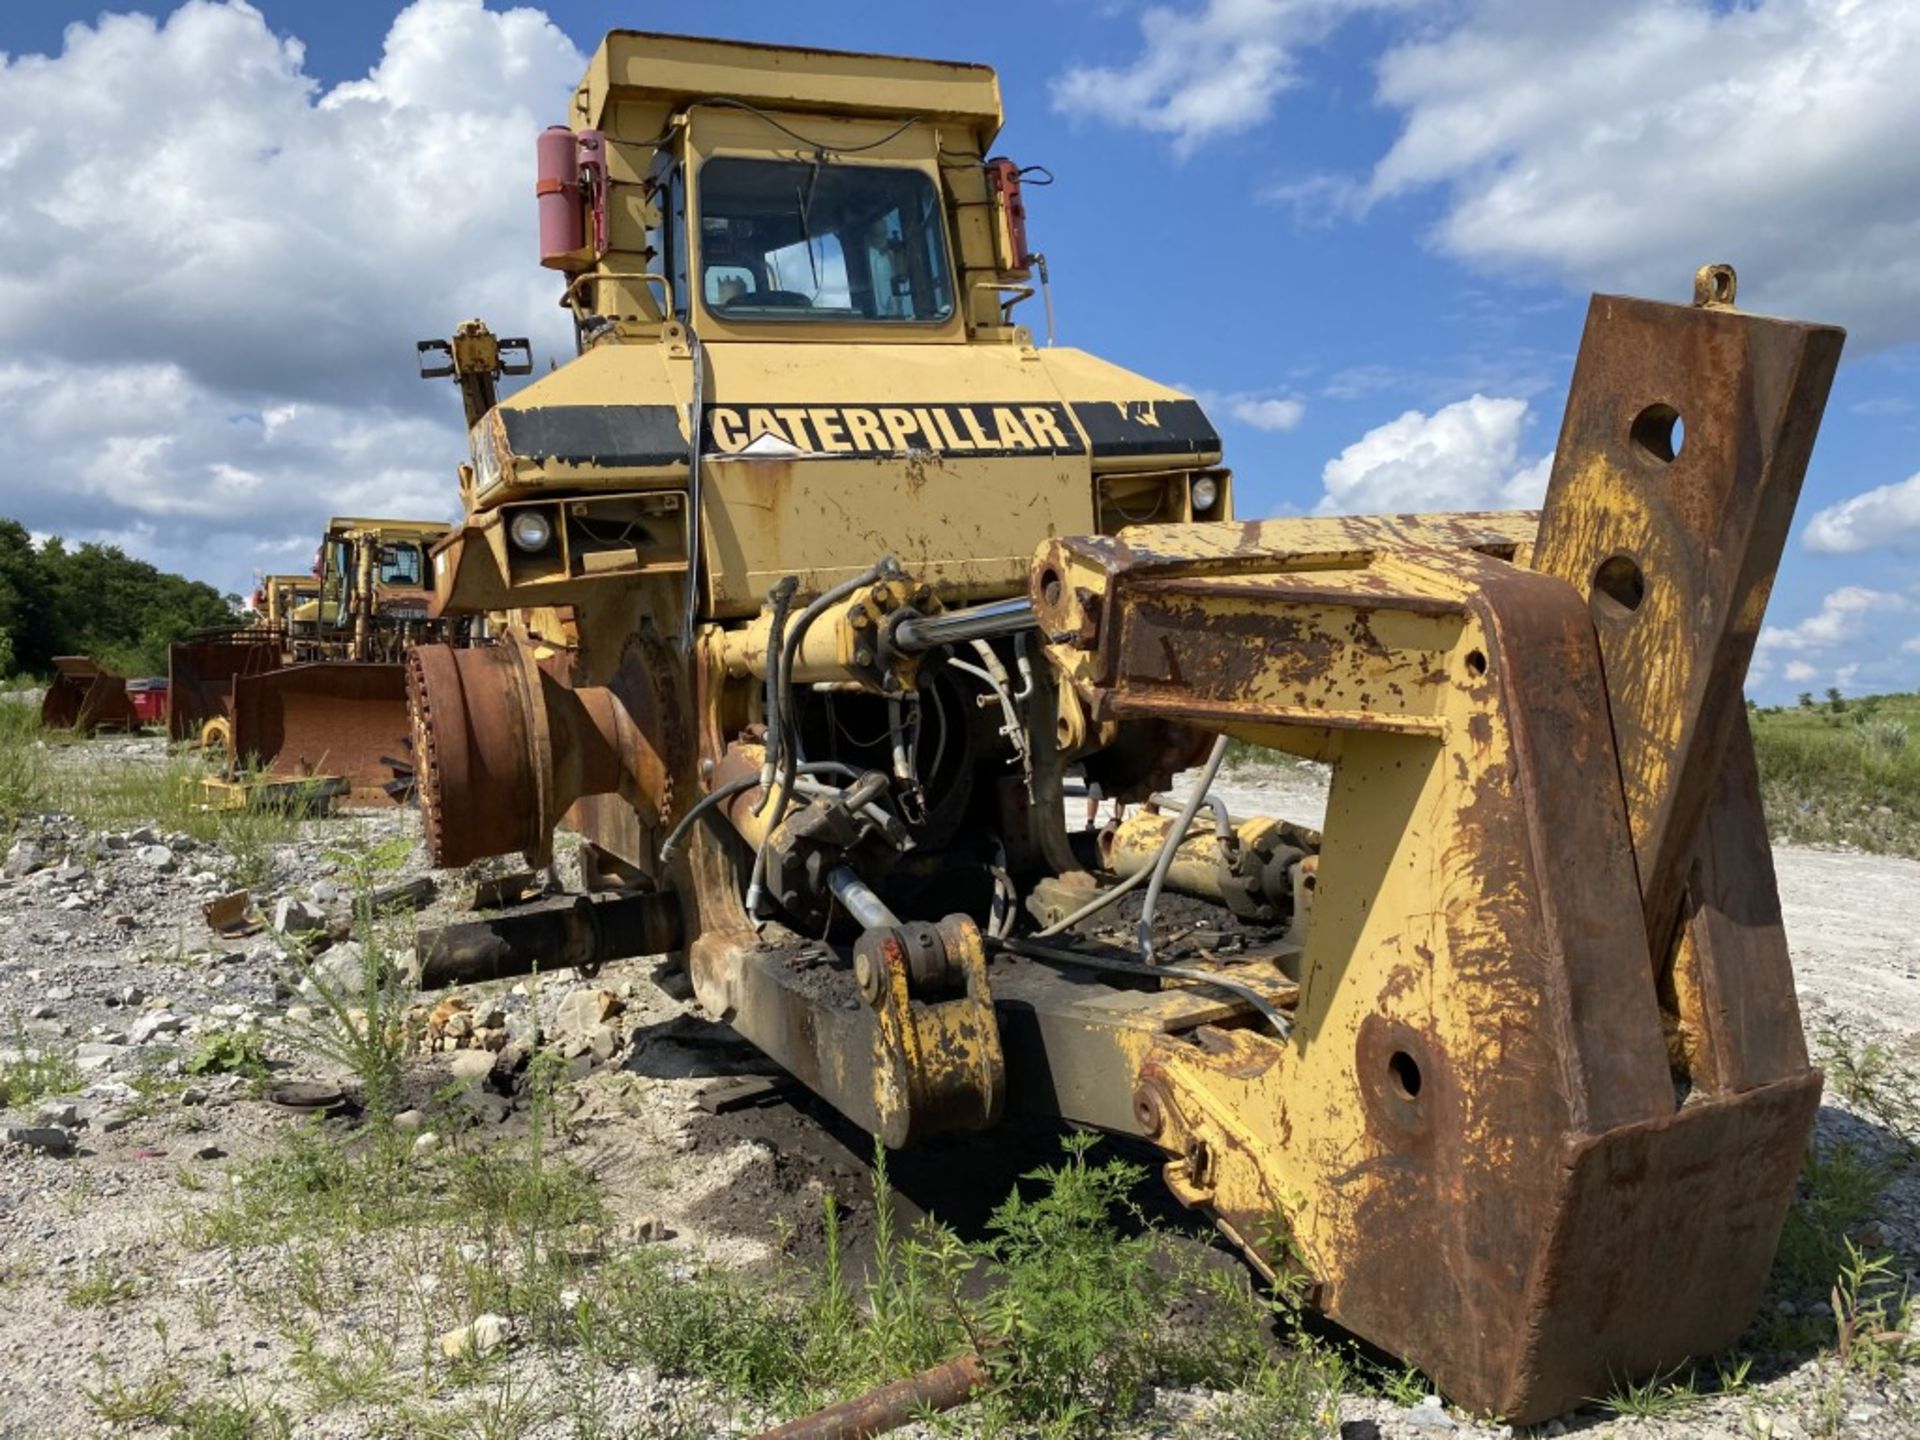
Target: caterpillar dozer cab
<point x="827" y="602"/>
<point x="315" y="687"/>
<point x="287" y="605"/>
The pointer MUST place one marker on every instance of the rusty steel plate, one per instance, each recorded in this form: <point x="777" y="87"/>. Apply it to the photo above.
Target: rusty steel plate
<point x="327" y="718"/>
<point x="200" y="677"/>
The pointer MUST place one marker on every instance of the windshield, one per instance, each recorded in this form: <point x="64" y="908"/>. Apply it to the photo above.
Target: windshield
<point x="400" y="565"/>
<point x="795" y="240"/>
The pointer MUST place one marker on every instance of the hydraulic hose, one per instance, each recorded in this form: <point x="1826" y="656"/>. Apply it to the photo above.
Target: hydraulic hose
<point x="1096" y="905"/>
<point x="732" y="788"/>
<point x="696" y="412"/>
<point x="1051" y="955"/>
<point x="1164" y="862"/>
<point x="778" y="600"/>
<point x="790" y="650"/>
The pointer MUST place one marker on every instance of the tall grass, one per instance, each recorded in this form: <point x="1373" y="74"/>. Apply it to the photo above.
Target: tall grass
<point x="22" y="762"/>
<point x="49" y="771"/>
<point x="1842" y="777"/>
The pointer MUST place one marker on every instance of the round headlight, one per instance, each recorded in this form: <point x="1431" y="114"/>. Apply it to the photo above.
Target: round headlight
<point x="529" y="530"/>
<point x="1206" y="490"/>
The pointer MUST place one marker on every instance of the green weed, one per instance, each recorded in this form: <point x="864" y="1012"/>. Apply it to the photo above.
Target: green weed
<point x="360" y="1373"/>
<point x="1875" y="1078"/>
<point x="228" y="1052"/>
<point x="1873" y="1314"/>
<point x="149" y="1401"/>
<point x="35" y="1072"/>
<point x="1659" y="1396"/>
<point x="100" y="1289"/>
<point x="238" y="1418"/>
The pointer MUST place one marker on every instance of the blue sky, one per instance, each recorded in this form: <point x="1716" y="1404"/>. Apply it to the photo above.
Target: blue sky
<point x="1338" y="221"/>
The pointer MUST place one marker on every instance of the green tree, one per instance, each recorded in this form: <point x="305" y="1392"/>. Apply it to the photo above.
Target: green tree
<point x="96" y="600"/>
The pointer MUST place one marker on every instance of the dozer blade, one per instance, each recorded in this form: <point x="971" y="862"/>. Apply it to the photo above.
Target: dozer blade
<point x="200" y="676"/>
<point x="328" y="718"/>
<point x="86" y="696"/>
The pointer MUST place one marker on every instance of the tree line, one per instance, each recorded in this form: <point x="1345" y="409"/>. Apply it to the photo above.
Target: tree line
<point x="94" y="600"/>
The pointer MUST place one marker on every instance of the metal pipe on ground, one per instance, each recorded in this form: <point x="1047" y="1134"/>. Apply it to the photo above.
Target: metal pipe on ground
<point x="576" y="931"/>
<point x="944" y="1387"/>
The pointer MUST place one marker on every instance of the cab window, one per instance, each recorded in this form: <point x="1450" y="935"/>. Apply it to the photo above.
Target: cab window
<point x="400" y="565"/>
<point x="797" y="240"/>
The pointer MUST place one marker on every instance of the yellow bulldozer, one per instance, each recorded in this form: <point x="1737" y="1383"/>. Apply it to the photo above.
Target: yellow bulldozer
<point x="315" y="686"/>
<point x="287" y="604"/>
<point x="826" y="598"/>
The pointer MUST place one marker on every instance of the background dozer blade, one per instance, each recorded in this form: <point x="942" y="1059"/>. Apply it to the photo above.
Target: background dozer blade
<point x="200" y="677"/>
<point x="86" y="696"/>
<point x="328" y="718"/>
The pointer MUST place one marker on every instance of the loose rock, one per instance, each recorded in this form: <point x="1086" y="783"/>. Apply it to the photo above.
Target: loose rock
<point x="50" y="1138"/>
<point x="155" y="857"/>
<point x="488" y="1332"/>
<point x="293" y="916"/>
<point x="160" y="1022"/>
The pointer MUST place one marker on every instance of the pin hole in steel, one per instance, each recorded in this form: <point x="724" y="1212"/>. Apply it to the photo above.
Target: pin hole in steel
<point x="1051" y="588"/>
<point x="1619" y="586"/>
<point x="1403" y="1073"/>
<point x="1658" y="432"/>
<point x="1476" y="663"/>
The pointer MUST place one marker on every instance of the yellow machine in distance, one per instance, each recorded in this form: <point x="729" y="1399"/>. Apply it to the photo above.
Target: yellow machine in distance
<point x="822" y="588"/>
<point x="374" y="588"/>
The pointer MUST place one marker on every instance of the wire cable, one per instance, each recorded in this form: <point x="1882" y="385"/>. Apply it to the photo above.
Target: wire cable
<point x="818" y="147"/>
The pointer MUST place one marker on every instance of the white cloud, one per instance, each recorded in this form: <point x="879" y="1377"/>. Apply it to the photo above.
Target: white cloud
<point x="1267" y="414"/>
<point x="1799" y="672"/>
<point x="1205" y="72"/>
<point x="1911" y="647"/>
<point x="1844" y="616"/>
<point x="212" y="271"/>
<point x="1620" y="145"/>
<point x="1464" y="456"/>
<point x="1887" y="515"/>
<point x="1610" y="146"/>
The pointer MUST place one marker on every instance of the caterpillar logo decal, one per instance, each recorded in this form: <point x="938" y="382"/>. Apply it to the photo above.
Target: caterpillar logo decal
<point x="1018" y="428"/>
<point x="643" y="437"/>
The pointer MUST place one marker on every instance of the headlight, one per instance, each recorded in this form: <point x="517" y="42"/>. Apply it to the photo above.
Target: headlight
<point x="1206" y="490"/>
<point x="529" y="530"/>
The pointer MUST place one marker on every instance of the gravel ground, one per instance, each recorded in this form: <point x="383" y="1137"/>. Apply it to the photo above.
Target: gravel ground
<point x="103" y="951"/>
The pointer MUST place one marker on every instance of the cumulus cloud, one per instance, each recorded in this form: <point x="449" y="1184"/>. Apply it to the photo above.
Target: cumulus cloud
<point x="1843" y="617"/>
<point x="1267" y="413"/>
<point x="1464" y="456"/>
<point x="1610" y="146"/>
<point x="1887" y="515"/>
<point x="1621" y="145"/>
<point x="213" y="269"/>
<point x="1799" y="672"/>
<point x="1206" y="72"/>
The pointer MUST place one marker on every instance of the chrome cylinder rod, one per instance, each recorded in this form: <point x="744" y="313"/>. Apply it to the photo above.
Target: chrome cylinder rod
<point x="955" y="627"/>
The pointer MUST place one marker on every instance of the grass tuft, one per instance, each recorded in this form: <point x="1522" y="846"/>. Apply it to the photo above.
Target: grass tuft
<point x="31" y="1072"/>
<point x="1842" y="773"/>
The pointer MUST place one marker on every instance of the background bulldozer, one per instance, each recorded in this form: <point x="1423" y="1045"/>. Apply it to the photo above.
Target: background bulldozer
<point x="822" y="589"/>
<point x="315" y="686"/>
